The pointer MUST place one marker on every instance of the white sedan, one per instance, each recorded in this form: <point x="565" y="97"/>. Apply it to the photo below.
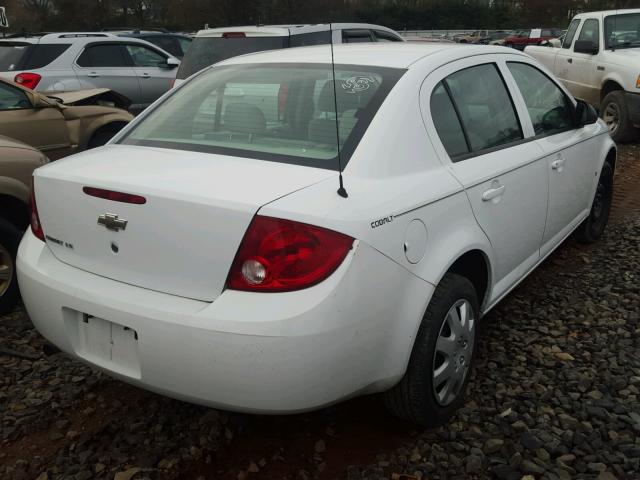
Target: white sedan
<point x="206" y="252"/>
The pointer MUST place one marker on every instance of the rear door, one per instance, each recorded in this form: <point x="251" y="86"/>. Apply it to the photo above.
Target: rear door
<point x="148" y="65"/>
<point x="481" y="139"/>
<point x="43" y="128"/>
<point x="107" y="65"/>
<point x="570" y="161"/>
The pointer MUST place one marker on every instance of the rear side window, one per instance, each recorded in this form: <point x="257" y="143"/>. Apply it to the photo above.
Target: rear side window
<point x="571" y="32"/>
<point x="12" y="98"/>
<point x="447" y="122"/>
<point x="484" y="107"/>
<point x="112" y="55"/>
<point x="356" y="36"/>
<point x="548" y="106"/>
<point x="42" y="55"/>
<point x="314" y="38"/>
<point x="13" y="55"/>
<point x="278" y="112"/>
<point x="205" y="51"/>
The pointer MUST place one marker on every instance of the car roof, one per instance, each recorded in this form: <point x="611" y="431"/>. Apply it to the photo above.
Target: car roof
<point x="392" y="55"/>
<point x="148" y="33"/>
<point x="283" y="30"/>
<point x="604" y="13"/>
<point x="60" y="37"/>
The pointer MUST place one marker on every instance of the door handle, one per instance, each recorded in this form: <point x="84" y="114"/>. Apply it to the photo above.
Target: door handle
<point x="493" y="193"/>
<point x="558" y="164"/>
<point x="93" y="74"/>
<point x="145" y="75"/>
<point x="570" y="60"/>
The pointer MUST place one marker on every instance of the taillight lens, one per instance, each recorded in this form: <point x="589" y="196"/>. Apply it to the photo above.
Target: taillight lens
<point x="114" y="196"/>
<point x="36" y="226"/>
<point x="29" y="80"/>
<point x="279" y="255"/>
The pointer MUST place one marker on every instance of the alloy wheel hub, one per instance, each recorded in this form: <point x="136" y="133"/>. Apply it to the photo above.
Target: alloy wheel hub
<point x="6" y="270"/>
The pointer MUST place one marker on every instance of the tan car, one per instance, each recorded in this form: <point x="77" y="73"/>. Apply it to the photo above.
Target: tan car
<point x="61" y="123"/>
<point x="17" y="162"/>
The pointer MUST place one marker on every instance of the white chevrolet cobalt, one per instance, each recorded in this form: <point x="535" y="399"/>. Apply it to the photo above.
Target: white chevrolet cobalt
<point x="208" y="253"/>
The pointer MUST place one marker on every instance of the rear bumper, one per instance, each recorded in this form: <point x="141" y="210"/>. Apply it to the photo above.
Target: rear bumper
<point x="252" y="352"/>
<point x="633" y="107"/>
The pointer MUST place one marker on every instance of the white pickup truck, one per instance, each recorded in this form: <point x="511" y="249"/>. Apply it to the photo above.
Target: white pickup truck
<point x="599" y="62"/>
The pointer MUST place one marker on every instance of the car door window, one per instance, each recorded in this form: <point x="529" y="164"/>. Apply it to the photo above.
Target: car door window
<point x="356" y="36"/>
<point x="184" y="44"/>
<point x="166" y="43"/>
<point x="571" y="32"/>
<point x="548" y="106"/>
<point x="12" y="98"/>
<point x="447" y="122"/>
<point x="385" y="36"/>
<point x="484" y="107"/>
<point x="103" y="56"/>
<point x="145" y="57"/>
<point x="590" y="32"/>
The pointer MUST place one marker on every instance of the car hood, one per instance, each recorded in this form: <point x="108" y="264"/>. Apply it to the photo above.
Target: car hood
<point x="625" y="56"/>
<point x="95" y="96"/>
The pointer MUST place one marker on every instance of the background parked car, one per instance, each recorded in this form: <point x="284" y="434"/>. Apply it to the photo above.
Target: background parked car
<point x="494" y="37"/>
<point x="214" y="45"/>
<point x="73" y="61"/>
<point x="533" y="36"/>
<point x="174" y="43"/>
<point x="62" y="123"/>
<point x="17" y="162"/>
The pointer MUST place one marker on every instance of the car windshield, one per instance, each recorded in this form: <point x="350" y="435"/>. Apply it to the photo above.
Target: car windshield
<point x="622" y="31"/>
<point x="205" y="51"/>
<point x="12" y="55"/>
<point x="277" y="112"/>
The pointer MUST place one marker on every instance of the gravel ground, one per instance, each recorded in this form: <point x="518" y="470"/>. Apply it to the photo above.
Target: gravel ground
<point x="555" y="395"/>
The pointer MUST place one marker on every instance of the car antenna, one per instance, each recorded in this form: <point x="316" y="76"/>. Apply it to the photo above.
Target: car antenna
<point x="341" y="190"/>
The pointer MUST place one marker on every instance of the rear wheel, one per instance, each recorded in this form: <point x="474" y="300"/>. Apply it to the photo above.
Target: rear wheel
<point x="434" y="384"/>
<point x="616" y="115"/>
<point x="9" y="241"/>
<point x="593" y="227"/>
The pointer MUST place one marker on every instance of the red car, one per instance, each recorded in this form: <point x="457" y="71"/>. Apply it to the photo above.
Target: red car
<point x="534" y="36"/>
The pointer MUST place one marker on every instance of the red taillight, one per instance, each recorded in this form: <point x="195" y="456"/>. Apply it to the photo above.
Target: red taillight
<point x="234" y="35"/>
<point x="281" y="255"/>
<point x="172" y="84"/>
<point x="36" y="226"/>
<point x="114" y="196"/>
<point x="29" y="80"/>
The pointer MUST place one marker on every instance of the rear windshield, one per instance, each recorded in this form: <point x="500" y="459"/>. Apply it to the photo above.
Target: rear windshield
<point x="277" y="112"/>
<point x="21" y="56"/>
<point x="206" y="51"/>
<point x="12" y="55"/>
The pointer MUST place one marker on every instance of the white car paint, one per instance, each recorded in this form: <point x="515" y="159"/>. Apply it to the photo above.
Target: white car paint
<point x="411" y="210"/>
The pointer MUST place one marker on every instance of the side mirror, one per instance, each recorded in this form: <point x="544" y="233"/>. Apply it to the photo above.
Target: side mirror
<point x="585" y="114"/>
<point x="586" y="46"/>
<point x="171" y="63"/>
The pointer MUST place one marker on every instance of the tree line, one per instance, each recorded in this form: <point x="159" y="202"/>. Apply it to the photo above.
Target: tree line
<point x="191" y="15"/>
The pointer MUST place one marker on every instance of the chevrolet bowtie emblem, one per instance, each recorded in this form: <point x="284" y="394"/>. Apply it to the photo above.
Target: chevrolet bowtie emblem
<point x="112" y="222"/>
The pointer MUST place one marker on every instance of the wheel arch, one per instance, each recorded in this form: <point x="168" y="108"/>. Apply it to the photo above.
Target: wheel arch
<point x="610" y="85"/>
<point x="14" y="210"/>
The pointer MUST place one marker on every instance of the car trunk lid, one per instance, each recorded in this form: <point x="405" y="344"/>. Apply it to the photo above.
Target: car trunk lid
<point x="183" y="239"/>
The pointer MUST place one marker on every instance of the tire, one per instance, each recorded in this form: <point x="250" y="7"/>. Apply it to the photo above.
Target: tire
<point x="615" y="113"/>
<point x="102" y="136"/>
<point x="593" y="227"/>
<point x="414" y="398"/>
<point x="9" y="240"/>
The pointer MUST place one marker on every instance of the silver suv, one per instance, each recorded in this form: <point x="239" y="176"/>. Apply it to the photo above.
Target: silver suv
<point x="72" y="61"/>
<point x="216" y="44"/>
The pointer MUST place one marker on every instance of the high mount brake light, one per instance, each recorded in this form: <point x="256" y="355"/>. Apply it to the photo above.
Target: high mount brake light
<point x="29" y="80"/>
<point x="36" y="226"/>
<point x="279" y="255"/>
<point x="114" y="196"/>
<point x="234" y="35"/>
